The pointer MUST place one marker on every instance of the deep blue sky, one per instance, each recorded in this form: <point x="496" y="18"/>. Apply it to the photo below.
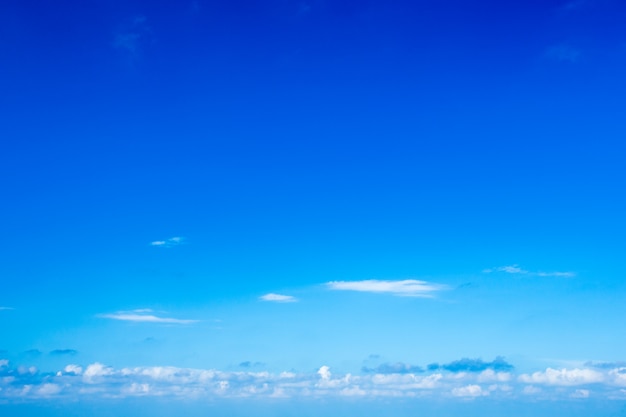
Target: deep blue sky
<point x="300" y="148"/>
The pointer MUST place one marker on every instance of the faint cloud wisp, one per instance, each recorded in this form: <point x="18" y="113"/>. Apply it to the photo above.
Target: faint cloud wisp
<point x="564" y="53"/>
<point x="168" y="243"/>
<point x="402" y="288"/>
<point x="278" y="298"/>
<point x="515" y="269"/>
<point x="144" y="316"/>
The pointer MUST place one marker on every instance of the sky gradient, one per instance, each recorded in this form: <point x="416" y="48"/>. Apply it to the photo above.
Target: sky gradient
<point x="334" y="206"/>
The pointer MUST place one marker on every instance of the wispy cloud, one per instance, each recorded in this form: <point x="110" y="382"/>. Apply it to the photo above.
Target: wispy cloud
<point x="64" y="352"/>
<point x="473" y="365"/>
<point x="564" y="53"/>
<point x="278" y="298"/>
<point x="404" y="288"/>
<point x="132" y="38"/>
<point x="573" y="5"/>
<point x="168" y="243"/>
<point x="144" y="316"/>
<point x="6" y="308"/>
<point x="515" y="269"/>
<point x="394" y="368"/>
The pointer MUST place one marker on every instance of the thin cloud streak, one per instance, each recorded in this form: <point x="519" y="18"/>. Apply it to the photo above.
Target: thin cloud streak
<point x="142" y="316"/>
<point x="278" y="298"/>
<point x="168" y="243"/>
<point x="401" y="288"/>
<point x="515" y="269"/>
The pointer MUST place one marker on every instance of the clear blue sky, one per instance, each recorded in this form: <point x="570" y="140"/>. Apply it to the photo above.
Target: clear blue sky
<point x="364" y="204"/>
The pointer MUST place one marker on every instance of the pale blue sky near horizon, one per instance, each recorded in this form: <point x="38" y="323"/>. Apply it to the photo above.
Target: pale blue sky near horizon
<point x="313" y="199"/>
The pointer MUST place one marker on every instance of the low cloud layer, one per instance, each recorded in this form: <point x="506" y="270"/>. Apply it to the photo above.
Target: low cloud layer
<point x="97" y="380"/>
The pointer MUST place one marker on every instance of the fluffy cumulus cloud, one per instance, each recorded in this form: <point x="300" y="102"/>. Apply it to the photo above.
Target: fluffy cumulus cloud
<point x="98" y="380"/>
<point x="472" y="390"/>
<point x="564" y="377"/>
<point x="278" y="298"/>
<point x="144" y="316"/>
<point x="406" y="288"/>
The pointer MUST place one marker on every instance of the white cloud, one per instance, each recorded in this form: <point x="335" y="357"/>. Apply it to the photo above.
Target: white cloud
<point x="531" y="390"/>
<point x="278" y="298"/>
<point x="489" y="375"/>
<point x="563" y="377"/>
<point x="407" y="287"/>
<point x="515" y="269"/>
<point x="143" y="316"/>
<point x="469" y="391"/>
<point x="510" y="269"/>
<point x="618" y="376"/>
<point x="73" y="369"/>
<point x="96" y="370"/>
<point x="324" y="372"/>
<point x="47" y="390"/>
<point x="99" y="380"/>
<point x="556" y="274"/>
<point x="168" y="243"/>
<point x="580" y="393"/>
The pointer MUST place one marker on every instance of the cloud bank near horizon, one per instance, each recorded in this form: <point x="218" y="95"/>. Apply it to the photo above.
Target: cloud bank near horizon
<point x="97" y="380"/>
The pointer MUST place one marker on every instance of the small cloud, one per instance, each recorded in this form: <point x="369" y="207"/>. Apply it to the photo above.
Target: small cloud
<point x="168" y="243"/>
<point x="473" y="365"/>
<point x="515" y="269"/>
<point x="556" y="274"/>
<point x="563" y="377"/>
<point x="394" y="368"/>
<point x="564" y="53"/>
<point x="573" y="5"/>
<point x="143" y="316"/>
<point x="6" y="308"/>
<point x="405" y="288"/>
<point x="48" y="389"/>
<point x="509" y="269"/>
<point x="73" y="369"/>
<point x="278" y="298"/>
<point x="324" y="372"/>
<point x="469" y="391"/>
<point x="33" y="353"/>
<point x="605" y="365"/>
<point x="580" y="393"/>
<point x="249" y="364"/>
<point x="133" y="37"/>
<point x="64" y="352"/>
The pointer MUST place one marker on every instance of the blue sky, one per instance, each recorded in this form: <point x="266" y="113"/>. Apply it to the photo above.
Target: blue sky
<point x="339" y="206"/>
